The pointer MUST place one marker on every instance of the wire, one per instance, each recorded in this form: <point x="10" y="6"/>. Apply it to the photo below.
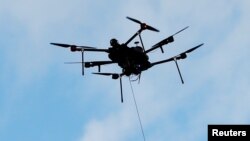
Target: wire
<point x="138" y="114"/>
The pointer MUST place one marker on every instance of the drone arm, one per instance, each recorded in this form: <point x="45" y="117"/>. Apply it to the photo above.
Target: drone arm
<point x="91" y="64"/>
<point x="170" y="39"/>
<point x="97" y="50"/>
<point x="161" y="62"/>
<point x="137" y="33"/>
<point x="175" y="58"/>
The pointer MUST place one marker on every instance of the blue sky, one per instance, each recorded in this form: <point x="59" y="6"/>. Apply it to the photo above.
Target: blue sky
<point x="43" y="99"/>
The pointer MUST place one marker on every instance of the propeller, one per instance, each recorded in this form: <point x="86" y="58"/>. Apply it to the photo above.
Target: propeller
<point x="83" y="63"/>
<point x="68" y="45"/>
<point x="182" y="56"/>
<point x="106" y="74"/>
<point x="143" y="25"/>
<point x="194" y="48"/>
<point x="73" y="62"/>
<point x="114" y="76"/>
<point x="165" y="41"/>
<point x="180" y="30"/>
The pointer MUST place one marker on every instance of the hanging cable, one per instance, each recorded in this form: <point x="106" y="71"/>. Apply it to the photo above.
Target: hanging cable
<point x="139" y="118"/>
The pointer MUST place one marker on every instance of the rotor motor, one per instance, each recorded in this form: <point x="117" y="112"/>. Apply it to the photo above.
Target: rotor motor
<point x="115" y="76"/>
<point x="73" y="48"/>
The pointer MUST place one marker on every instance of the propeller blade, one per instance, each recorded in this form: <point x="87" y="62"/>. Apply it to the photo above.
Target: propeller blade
<point x="180" y="30"/>
<point x="73" y="62"/>
<point x="114" y="75"/>
<point x="134" y="20"/>
<point x="61" y="45"/>
<point x="106" y="74"/>
<point x="143" y="25"/>
<point x="194" y="48"/>
<point x="121" y="89"/>
<point x="166" y="40"/>
<point x="152" y="28"/>
<point x="68" y="45"/>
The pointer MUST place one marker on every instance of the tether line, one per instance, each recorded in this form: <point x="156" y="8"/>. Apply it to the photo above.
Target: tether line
<point x="139" y="118"/>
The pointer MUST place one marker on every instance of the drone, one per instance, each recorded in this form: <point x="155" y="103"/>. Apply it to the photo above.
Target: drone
<point x="132" y="60"/>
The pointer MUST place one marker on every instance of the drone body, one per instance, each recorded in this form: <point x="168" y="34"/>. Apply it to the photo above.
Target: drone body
<point x="132" y="60"/>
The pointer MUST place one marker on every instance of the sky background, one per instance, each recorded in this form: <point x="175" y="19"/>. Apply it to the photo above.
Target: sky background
<point x="43" y="99"/>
